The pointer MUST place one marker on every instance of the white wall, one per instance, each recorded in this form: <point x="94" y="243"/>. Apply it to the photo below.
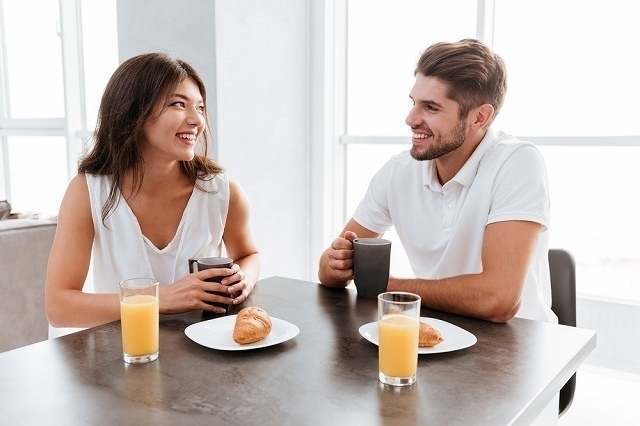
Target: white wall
<point x="253" y="55"/>
<point x="263" y="135"/>
<point x="182" y="28"/>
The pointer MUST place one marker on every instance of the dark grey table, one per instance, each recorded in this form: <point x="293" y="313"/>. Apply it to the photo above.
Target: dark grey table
<point x="326" y="375"/>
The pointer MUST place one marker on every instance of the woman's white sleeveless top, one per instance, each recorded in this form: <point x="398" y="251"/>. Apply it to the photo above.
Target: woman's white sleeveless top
<point x="121" y="251"/>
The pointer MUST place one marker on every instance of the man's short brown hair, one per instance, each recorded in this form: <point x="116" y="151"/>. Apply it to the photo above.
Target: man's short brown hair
<point x="474" y="73"/>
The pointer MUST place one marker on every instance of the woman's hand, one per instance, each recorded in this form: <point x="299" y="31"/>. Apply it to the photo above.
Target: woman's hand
<point x="191" y="292"/>
<point x="238" y="285"/>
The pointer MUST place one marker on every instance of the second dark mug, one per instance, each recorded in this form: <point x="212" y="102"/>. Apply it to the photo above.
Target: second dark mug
<point x="371" y="257"/>
<point x="204" y="263"/>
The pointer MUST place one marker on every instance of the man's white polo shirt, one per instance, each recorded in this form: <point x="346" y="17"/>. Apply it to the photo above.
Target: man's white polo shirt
<point x="442" y="226"/>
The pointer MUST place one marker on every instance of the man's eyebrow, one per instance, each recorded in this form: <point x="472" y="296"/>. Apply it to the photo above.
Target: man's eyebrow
<point x="186" y="98"/>
<point x="431" y="103"/>
<point x="427" y="102"/>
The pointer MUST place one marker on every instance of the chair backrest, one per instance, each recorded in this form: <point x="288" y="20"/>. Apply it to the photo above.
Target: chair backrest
<point x="562" y="270"/>
<point x="563" y="286"/>
<point x="24" y="249"/>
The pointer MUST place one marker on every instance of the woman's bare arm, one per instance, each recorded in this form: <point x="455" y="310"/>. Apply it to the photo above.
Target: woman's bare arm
<point x="66" y="304"/>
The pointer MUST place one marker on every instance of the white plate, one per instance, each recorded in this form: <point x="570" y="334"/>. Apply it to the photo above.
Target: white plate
<point x="455" y="338"/>
<point x="217" y="333"/>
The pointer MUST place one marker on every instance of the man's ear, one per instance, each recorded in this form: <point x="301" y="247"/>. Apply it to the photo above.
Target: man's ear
<point x="482" y="115"/>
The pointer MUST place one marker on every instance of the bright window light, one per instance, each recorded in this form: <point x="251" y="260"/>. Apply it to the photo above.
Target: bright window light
<point x="34" y="58"/>
<point x="38" y="174"/>
<point x="573" y="67"/>
<point x="385" y="43"/>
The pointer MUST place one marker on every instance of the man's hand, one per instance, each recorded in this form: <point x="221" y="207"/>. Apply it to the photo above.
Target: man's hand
<point x="336" y="263"/>
<point x="340" y="258"/>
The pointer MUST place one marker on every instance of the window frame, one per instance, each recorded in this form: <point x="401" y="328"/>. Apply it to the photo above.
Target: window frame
<point x="74" y="124"/>
<point x="485" y="24"/>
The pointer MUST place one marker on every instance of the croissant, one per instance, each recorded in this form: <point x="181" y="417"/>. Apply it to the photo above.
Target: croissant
<point x="429" y="336"/>
<point x="252" y="324"/>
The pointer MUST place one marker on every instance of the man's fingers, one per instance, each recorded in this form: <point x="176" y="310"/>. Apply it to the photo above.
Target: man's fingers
<point x="343" y="275"/>
<point x="341" y="264"/>
<point x="350" y="235"/>
<point x="341" y="244"/>
<point x="214" y="272"/>
<point x="341" y="254"/>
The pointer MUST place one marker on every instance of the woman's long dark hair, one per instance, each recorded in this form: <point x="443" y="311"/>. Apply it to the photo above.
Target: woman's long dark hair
<point x="127" y="103"/>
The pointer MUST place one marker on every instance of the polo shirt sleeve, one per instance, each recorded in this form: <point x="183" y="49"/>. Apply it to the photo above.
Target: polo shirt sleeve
<point x="521" y="191"/>
<point x="373" y="210"/>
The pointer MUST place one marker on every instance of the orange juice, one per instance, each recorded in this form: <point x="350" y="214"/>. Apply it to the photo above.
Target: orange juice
<point x="398" y="345"/>
<point x="139" y="316"/>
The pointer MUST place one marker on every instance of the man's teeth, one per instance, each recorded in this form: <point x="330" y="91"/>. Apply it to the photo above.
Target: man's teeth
<point x="421" y="135"/>
<point x="187" y="136"/>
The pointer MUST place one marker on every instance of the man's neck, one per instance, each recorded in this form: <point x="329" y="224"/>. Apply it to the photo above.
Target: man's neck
<point x="448" y="165"/>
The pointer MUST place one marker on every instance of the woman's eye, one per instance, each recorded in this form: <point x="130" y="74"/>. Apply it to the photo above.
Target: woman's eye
<point x="178" y="103"/>
<point x="201" y="109"/>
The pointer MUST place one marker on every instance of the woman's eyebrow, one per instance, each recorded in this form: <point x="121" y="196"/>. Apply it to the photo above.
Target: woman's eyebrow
<point x="186" y="98"/>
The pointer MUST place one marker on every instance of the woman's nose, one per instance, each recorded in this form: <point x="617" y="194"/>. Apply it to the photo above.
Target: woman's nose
<point x="195" y="118"/>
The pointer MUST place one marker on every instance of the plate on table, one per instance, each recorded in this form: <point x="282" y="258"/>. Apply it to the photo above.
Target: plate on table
<point x="455" y="338"/>
<point x="217" y="334"/>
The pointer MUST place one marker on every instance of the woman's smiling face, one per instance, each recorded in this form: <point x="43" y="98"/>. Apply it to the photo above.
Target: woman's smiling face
<point x="176" y="123"/>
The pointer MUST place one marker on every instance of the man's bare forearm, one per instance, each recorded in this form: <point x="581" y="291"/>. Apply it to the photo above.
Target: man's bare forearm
<point x="467" y="295"/>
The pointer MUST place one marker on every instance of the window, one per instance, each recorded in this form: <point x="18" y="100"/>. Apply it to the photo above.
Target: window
<point x="572" y="91"/>
<point x="54" y="65"/>
<point x="384" y="43"/>
<point x="33" y="60"/>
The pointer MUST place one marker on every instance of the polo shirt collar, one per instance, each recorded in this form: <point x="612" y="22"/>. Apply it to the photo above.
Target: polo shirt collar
<point x="468" y="171"/>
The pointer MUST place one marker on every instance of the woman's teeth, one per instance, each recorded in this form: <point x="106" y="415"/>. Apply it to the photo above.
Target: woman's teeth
<point x="187" y="136"/>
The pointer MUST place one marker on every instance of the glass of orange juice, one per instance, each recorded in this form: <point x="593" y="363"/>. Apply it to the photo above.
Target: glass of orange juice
<point x="398" y="327"/>
<point x="139" y="318"/>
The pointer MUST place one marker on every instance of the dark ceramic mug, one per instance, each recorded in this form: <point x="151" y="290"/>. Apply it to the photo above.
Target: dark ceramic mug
<point x="196" y="265"/>
<point x="371" y="258"/>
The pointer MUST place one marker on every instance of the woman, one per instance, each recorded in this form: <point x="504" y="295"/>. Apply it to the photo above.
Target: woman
<point x="145" y="200"/>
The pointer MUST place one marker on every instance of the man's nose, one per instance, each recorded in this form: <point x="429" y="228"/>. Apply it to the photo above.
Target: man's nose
<point x="413" y="119"/>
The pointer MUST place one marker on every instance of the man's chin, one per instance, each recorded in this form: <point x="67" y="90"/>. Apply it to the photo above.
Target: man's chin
<point x="421" y="154"/>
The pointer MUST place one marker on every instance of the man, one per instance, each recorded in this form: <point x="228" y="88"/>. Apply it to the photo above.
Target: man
<point x="470" y="205"/>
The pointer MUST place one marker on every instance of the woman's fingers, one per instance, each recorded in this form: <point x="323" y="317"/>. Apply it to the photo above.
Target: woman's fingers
<point x="215" y="298"/>
<point x="214" y="287"/>
<point x="212" y="308"/>
<point x="237" y="277"/>
<point x="243" y="296"/>
<point x="237" y="288"/>
<point x="214" y="272"/>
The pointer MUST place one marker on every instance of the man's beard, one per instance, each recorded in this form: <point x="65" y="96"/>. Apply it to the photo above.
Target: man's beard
<point x="441" y="145"/>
